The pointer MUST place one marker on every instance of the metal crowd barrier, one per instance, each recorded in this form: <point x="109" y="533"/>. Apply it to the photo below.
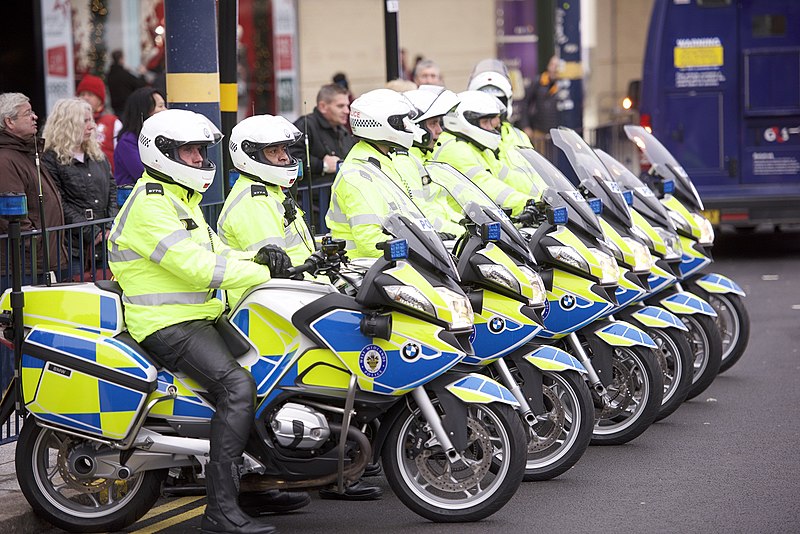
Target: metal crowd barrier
<point x="83" y="260"/>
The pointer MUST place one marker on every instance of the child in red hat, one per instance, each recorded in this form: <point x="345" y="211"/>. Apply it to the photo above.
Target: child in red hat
<point x="93" y="90"/>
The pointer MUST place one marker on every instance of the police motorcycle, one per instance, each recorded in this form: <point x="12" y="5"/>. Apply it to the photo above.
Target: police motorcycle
<point x="652" y="219"/>
<point x="104" y="425"/>
<point x="633" y="256"/>
<point x="499" y="274"/>
<point x="582" y="278"/>
<point x="697" y="237"/>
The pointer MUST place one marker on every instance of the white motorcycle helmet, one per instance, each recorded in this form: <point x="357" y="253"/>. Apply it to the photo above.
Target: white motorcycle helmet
<point x="250" y="137"/>
<point x="495" y="84"/>
<point x="385" y="116"/>
<point x="464" y="120"/>
<point x="430" y="101"/>
<point x="165" y="132"/>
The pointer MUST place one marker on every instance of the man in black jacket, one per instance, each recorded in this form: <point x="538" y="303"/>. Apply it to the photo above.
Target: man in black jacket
<point x="121" y="83"/>
<point x="327" y="135"/>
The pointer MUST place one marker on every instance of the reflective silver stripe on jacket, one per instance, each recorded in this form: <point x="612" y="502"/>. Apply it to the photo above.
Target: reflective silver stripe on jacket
<point x="436" y="153"/>
<point x="163" y="246"/>
<point x="221" y="222"/>
<point x="474" y="171"/>
<point x="126" y="208"/>
<point x="366" y="218"/>
<point x="160" y="299"/>
<point x="115" y="255"/>
<point x="274" y="240"/>
<point x="219" y="272"/>
<point x="503" y="195"/>
<point x="503" y="172"/>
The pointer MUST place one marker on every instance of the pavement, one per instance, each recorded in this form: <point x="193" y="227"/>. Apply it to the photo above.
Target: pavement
<point x="16" y="515"/>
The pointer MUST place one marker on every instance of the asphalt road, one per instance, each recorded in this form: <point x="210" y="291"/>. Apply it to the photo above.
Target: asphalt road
<point x="727" y="461"/>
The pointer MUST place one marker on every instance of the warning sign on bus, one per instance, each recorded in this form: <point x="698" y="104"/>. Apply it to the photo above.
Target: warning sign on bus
<point x="698" y="53"/>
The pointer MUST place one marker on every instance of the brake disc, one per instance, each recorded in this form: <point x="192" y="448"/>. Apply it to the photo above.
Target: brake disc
<point x="437" y="470"/>
<point x="69" y="449"/>
<point x="544" y="433"/>
<point x="620" y="392"/>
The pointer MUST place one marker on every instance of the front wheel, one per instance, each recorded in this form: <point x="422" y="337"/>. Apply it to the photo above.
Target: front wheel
<point x="706" y="343"/>
<point x="733" y="323"/>
<point x="675" y="359"/>
<point x="423" y="478"/>
<point x="634" y="397"/>
<point x="49" y="466"/>
<point x="561" y="435"/>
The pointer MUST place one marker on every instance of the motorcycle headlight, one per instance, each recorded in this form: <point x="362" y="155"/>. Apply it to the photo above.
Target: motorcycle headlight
<point x="671" y="242"/>
<point x="499" y="275"/>
<point x="706" y="229"/>
<point x="569" y="256"/>
<point x="638" y="232"/>
<point x="642" y="259"/>
<point x="680" y="222"/>
<point x="537" y="284"/>
<point x="460" y="307"/>
<point x="410" y="297"/>
<point x="608" y="265"/>
<point x="614" y="249"/>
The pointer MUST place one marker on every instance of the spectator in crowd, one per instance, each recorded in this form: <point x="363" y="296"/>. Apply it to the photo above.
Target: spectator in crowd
<point x="540" y="109"/>
<point x="18" y="173"/>
<point x="340" y="78"/>
<point x="328" y="138"/>
<point x="142" y="104"/>
<point x="401" y="86"/>
<point x="92" y="89"/>
<point x="82" y="174"/>
<point x="121" y="83"/>
<point x="427" y="72"/>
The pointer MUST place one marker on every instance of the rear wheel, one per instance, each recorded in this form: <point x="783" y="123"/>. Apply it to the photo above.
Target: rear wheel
<point x="706" y="344"/>
<point x="49" y="466"/>
<point x="634" y="397"/>
<point x="422" y="476"/>
<point x="675" y="358"/>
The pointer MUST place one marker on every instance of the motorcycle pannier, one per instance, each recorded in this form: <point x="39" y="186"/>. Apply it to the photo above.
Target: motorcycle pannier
<point x="84" y="381"/>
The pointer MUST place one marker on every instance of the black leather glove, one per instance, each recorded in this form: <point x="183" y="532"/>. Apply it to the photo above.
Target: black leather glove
<point x="276" y="260"/>
<point x="445" y="236"/>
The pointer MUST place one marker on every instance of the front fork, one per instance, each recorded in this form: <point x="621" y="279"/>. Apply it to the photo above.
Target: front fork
<point x="594" y="378"/>
<point x="434" y="420"/>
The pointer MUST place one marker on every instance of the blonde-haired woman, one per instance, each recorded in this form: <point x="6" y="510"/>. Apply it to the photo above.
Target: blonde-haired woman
<point x="83" y="176"/>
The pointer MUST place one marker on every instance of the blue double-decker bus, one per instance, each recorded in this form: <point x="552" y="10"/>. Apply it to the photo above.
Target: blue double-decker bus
<point x="721" y="89"/>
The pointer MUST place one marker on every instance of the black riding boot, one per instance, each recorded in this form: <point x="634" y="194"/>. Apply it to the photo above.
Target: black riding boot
<point x="222" y="511"/>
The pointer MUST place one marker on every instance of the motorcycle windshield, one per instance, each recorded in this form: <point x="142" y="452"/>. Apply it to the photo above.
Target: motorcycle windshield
<point x="593" y="174"/>
<point x="662" y="159"/>
<point x="646" y="202"/>
<point x="560" y="192"/>
<point x="477" y="206"/>
<point x="404" y="220"/>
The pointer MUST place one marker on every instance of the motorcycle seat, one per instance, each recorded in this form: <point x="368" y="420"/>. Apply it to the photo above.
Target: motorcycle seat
<point x="109" y="285"/>
<point x="125" y="337"/>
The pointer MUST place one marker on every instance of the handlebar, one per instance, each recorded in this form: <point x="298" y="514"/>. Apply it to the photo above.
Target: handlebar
<point x="305" y="267"/>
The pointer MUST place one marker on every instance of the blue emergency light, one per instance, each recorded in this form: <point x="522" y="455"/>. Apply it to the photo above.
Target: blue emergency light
<point x="597" y="205"/>
<point x="396" y="249"/>
<point x="13" y="205"/>
<point x="628" y="197"/>
<point x="560" y="215"/>
<point x="669" y="187"/>
<point x="491" y="231"/>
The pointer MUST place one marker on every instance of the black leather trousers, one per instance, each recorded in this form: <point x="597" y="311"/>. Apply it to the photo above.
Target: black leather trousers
<point x="196" y="349"/>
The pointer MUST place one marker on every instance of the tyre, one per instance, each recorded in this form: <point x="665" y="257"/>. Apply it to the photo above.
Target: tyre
<point x="422" y="477"/>
<point x="706" y="343"/>
<point x="733" y="323"/>
<point x="562" y="434"/>
<point x="70" y="501"/>
<point x="675" y="358"/>
<point x="634" y="397"/>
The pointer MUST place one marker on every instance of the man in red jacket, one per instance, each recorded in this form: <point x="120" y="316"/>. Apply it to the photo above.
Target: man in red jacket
<point x="93" y="90"/>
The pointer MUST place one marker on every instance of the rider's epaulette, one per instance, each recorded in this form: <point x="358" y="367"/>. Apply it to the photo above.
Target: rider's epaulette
<point x="189" y="223"/>
<point x="374" y="162"/>
<point x="258" y="190"/>
<point x="401" y="151"/>
<point x="152" y="188"/>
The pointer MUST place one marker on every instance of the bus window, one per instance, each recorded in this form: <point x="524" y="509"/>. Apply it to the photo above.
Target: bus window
<point x="713" y="3"/>
<point x="769" y="25"/>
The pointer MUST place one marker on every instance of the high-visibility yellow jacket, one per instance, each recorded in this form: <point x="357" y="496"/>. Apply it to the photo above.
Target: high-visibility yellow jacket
<point x="361" y="199"/>
<point x="482" y="167"/>
<point x="432" y="200"/>
<point x="521" y="176"/>
<point x="253" y="216"/>
<point x="168" y="260"/>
